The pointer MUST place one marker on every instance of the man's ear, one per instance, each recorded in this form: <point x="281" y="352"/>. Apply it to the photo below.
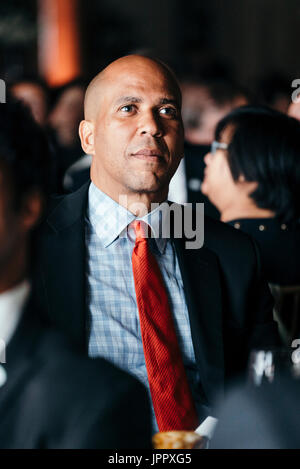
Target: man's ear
<point x="31" y="210"/>
<point x="86" y="134"/>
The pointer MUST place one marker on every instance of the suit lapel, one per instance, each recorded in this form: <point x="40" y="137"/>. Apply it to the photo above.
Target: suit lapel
<point x="201" y="280"/>
<point x="63" y="266"/>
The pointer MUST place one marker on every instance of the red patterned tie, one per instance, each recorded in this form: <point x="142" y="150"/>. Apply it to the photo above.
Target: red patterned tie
<point x="171" y="396"/>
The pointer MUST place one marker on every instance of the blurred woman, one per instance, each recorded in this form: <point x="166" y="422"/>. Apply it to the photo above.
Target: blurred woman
<point x="253" y="178"/>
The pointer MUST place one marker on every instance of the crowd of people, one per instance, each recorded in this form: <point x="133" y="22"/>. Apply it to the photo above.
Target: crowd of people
<point x="111" y="330"/>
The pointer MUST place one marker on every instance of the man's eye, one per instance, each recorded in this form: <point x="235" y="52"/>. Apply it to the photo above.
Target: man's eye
<point x="127" y="108"/>
<point x="169" y="111"/>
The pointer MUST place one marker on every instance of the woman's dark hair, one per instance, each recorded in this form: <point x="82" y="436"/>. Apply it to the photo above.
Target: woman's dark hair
<point x="265" y="148"/>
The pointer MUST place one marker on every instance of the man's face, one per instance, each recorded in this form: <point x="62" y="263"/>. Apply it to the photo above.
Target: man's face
<point x="138" y="132"/>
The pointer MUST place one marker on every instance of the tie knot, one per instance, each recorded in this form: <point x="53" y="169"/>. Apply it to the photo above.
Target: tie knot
<point x="141" y="230"/>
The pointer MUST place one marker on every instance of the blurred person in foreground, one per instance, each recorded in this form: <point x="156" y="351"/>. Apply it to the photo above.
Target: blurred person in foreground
<point x="252" y="176"/>
<point x="50" y="397"/>
<point x="181" y="320"/>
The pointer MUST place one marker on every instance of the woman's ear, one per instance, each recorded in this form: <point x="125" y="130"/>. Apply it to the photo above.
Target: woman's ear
<point x="247" y="186"/>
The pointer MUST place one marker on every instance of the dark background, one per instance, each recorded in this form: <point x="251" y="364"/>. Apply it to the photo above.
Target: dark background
<point x="251" y="38"/>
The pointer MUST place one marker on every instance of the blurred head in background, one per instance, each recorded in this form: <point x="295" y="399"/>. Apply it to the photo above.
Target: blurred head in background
<point x="274" y="91"/>
<point x="253" y="170"/>
<point x="63" y="121"/>
<point x="67" y="112"/>
<point x="34" y="93"/>
<point x="204" y="103"/>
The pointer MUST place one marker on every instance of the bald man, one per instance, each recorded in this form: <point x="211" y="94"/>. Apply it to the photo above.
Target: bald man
<point x="217" y="302"/>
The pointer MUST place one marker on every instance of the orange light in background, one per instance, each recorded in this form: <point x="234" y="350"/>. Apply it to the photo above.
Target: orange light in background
<point x="58" y="41"/>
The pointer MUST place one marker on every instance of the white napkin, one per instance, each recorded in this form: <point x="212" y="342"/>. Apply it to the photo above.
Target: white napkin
<point x="207" y="427"/>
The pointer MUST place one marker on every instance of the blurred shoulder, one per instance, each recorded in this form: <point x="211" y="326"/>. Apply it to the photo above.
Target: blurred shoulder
<point x="234" y="248"/>
<point x="216" y="230"/>
<point x="64" y="210"/>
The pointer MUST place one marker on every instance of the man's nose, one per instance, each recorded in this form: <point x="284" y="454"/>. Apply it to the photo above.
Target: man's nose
<point x="151" y="124"/>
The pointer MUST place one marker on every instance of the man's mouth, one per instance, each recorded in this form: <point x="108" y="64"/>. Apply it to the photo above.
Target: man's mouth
<point x="148" y="154"/>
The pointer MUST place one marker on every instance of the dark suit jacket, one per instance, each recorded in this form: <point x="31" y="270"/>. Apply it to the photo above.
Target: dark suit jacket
<point x="229" y="304"/>
<point x="54" y="398"/>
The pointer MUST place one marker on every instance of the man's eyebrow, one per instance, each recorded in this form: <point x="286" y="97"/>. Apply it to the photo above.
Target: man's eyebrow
<point x="128" y="99"/>
<point x="135" y="99"/>
<point x="169" y="101"/>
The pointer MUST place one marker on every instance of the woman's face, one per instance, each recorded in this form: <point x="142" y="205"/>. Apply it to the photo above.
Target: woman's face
<point x="218" y="184"/>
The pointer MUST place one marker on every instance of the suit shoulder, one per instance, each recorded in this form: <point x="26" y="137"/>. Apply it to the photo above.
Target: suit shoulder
<point x="64" y="210"/>
<point x="58" y="199"/>
<point x="234" y="248"/>
<point x="217" y="235"/>
<point x="54" y="201"/>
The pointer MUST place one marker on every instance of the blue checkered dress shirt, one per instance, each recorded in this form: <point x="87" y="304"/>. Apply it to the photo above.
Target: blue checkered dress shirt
<point x="114" y="328"/>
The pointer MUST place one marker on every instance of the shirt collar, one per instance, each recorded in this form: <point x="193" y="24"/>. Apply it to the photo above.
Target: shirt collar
<point x="110" y="219"/>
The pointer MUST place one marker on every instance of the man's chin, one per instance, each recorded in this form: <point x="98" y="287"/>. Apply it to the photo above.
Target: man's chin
<point x="149" y="184"/>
